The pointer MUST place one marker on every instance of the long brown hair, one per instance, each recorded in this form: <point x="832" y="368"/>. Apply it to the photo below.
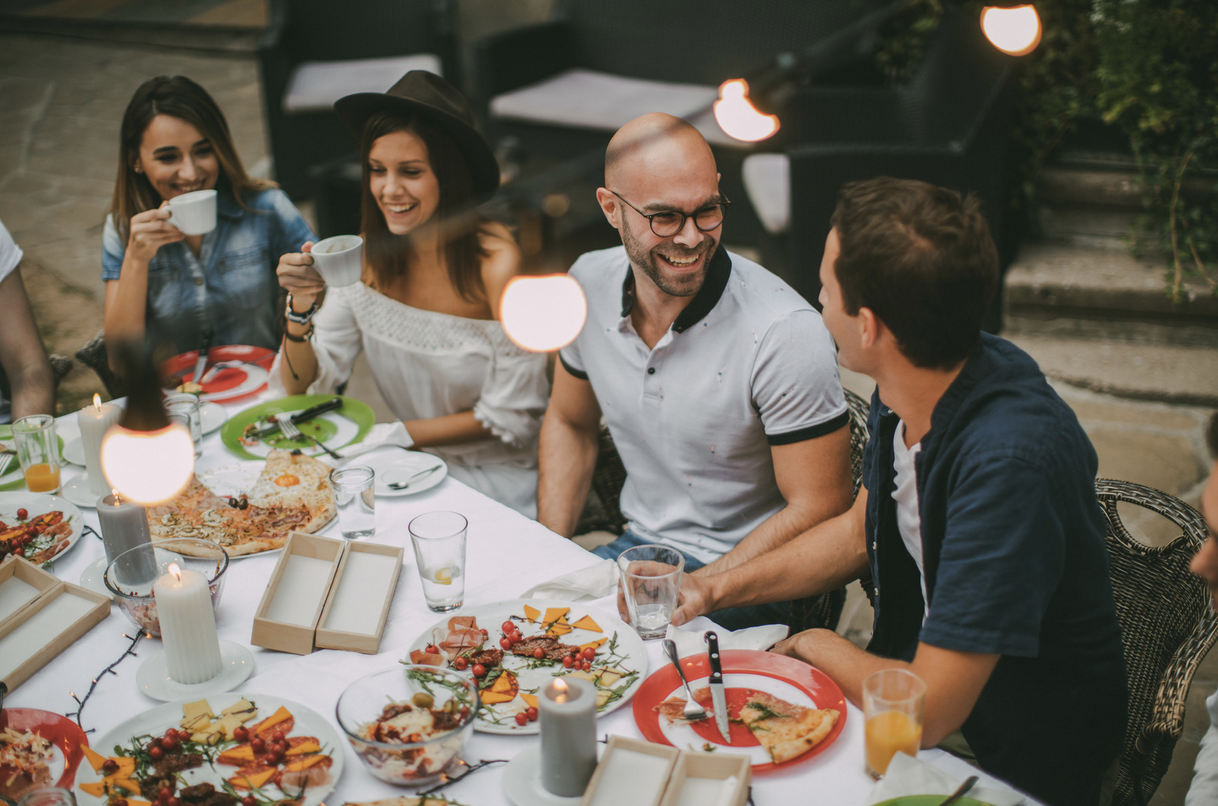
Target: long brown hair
<point x="181" y="98"/>
<point x="455" y="213"/>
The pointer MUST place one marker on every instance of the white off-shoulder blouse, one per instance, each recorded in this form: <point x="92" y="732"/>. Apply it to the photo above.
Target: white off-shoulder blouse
<point x="430" y="364"/>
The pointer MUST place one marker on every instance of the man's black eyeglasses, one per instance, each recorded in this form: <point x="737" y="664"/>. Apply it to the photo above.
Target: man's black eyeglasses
<point x="669" y="222"/>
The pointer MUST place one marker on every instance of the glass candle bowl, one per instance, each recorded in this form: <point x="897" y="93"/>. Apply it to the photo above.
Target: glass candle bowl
<point x="129" y="578"/>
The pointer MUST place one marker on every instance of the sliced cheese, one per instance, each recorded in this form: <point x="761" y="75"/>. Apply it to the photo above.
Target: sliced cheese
<point x="602" y="697"/>
<point x="586" y="623"/>
<point x="227" y="724"/>
<point x="502" y="690"/>
<point x="252" y="781"/>
<point x="593" y="644"/>
<point x="195" y="724"/>
<point x="302" y="748"/>
<point x="242" y="753"/>
<point x="495" y="697"/>
<point x="96" y="759"/>
<point x="530" y="699"/>
<point x="243" y="708"/>
<point x="582" y="675"/>
<point x="126" y="766"/>
<point x="125" y="784"/>
<point x="197" y="708"/>
<point x="560" y="627"/>
<point x="96" y="788"/>
<point x="274" y="719"/>
<point x="304" y="763"/>
<point x="555" y="613"/>
<point x="531" y="613"/>
<point x="610" y="676"/>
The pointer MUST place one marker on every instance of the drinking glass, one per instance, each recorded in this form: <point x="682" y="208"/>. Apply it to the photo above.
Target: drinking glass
<point x="353" y="489"/>
<point x="38" y="452"/>
<point x="893" y="700"/>
<point x="439" y="551"/>
<point x="651" y="580"/>
<point x="183" y="408"/>
<point x="48" y="796"/>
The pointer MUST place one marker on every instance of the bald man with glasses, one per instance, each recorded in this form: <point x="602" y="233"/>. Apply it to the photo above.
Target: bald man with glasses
<point x="718" y="382"/>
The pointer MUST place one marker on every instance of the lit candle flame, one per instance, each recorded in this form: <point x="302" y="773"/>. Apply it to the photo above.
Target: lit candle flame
<point x="562" y="690"/>
<point x="543" y="313"/>
<point x="1012" y="30"/>
<point x="738" y="117"/>
<point x="97" y="402"/>
<point x="176" y="572"/>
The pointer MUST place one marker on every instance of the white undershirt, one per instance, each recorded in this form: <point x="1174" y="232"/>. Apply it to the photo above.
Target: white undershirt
<point x="905" y="494"/>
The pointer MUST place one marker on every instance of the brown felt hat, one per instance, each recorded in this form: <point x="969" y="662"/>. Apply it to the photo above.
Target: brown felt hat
<point x="431" y="96"/>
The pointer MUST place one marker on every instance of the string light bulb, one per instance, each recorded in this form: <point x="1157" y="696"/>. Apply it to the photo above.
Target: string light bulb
<point x="148" y="467"/>
<point x="1014" y="30"/>
<point x="738" y="117"/>
<point x="541" y="314"/>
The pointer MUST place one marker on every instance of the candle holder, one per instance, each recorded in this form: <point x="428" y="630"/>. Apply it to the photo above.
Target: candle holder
<point x="557" y="772"/>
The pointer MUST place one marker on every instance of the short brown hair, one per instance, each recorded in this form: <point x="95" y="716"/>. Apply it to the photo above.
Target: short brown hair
<point x="178" y="97"/>
<point x="921" y="258"/>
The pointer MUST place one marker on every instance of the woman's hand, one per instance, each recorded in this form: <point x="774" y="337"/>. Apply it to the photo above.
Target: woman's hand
<point x="150" y="230"/>
<point x="297" y="275"/>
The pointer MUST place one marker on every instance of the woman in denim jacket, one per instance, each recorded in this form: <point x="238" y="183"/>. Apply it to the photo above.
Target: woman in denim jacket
<point x="178" y="288"/>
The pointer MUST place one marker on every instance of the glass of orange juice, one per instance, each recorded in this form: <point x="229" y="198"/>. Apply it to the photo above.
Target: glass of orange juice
<point x="893" y="700"/>
<point x="38" y="452"/>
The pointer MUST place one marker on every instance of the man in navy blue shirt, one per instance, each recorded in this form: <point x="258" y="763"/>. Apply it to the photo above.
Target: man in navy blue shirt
<point x="977" y="520"/>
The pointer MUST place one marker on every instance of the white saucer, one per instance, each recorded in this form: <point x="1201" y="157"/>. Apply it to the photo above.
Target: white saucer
<point x="237" y="663"/>
<point x="212" y="416"/>
<point x="76" y="490"/>
<point x="74" y="452"/>
<point x="399" y="466"/>
<point x="522" y="780"/>
<point x="93" y="577"/>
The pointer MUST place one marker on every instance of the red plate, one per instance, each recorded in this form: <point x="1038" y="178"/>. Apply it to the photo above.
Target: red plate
<point x="230" y="384"/>
<point x="738" y="666"/>
<point x="58" y="730"/>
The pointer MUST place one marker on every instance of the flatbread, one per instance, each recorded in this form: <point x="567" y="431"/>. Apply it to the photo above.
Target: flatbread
<point x="786" y="731"/>
<point x="275" y="510"/>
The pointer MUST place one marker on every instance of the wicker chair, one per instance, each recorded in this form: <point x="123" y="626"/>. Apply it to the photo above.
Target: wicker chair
<point x="1167" y="628"/>
<point x="825" y="610"/>
<point x="93" y="355"/>
<point x="603" y="510"/>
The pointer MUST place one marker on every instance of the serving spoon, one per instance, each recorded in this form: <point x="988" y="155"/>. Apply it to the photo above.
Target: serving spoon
<point x="962" y="791"/>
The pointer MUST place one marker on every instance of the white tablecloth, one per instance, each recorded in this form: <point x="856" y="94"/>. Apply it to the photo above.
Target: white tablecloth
<point x="507" y="553"/>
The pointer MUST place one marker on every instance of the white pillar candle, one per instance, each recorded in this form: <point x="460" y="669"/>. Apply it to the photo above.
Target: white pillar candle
<point x="188" y="625"/>
<point x="94" y="420"/>
<point x="567" y="710"/>
<point x="124" y="525"/>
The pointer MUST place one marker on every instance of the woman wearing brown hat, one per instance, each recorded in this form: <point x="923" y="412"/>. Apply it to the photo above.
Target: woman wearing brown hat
<point x="425" y="312"/>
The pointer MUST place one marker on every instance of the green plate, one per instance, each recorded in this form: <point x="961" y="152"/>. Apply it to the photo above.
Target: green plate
<point x="350" y="423"/>
<point x="928" y="800"/>
<point x="12" y="478"/>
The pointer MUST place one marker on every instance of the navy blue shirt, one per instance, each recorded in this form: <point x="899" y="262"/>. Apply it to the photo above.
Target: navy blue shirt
<point x="1016" y="565"/>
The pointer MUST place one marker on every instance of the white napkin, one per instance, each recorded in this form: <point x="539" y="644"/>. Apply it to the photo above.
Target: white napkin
<point x="593" y="582"/>
<point x="379" y="436"/>
<point x="690" y="639"/>
<point x="909" y="776"/>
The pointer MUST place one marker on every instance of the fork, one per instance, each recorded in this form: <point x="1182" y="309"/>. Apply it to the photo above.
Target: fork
<point x="6" y="459"/>
<point x="293" y="433"/>
<point x="693" y="711"/>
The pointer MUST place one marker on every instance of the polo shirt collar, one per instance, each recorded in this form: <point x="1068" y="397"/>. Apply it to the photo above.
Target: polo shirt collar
<point x="717" y="272"/>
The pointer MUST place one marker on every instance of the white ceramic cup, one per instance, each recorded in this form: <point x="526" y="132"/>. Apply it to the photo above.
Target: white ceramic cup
<point x="339" y="260"/>
<point x="194" y="213"/>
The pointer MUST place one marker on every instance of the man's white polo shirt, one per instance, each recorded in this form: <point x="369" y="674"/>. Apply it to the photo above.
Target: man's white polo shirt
<point x="748" y="364"/>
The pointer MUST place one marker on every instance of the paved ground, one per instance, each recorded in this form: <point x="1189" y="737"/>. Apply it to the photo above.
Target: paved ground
<point x="58" y="143"/>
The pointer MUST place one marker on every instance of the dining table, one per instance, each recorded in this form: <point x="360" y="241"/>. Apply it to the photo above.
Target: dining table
<point x="507" y="554"/>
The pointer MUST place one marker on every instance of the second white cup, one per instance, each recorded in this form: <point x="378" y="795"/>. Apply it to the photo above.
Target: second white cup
<point x="194" y="213"/>
<point x="339" y="260"/>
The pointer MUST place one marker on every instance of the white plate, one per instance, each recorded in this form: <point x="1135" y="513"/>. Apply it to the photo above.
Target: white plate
<point x="37" y="504"/>
<point x="237" y="663"/>
<point x="631" y="655"/>
<point x="155" y="721"/>
<point x="74" y="451"/>
<point x="212" y="416"/>
<point x="76" y="490"/>
<point x="399" y="466"/>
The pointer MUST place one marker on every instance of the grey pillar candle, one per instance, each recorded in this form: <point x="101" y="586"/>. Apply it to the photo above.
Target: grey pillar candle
<point x="124" y="526"/>
<point x="568" y="736"/>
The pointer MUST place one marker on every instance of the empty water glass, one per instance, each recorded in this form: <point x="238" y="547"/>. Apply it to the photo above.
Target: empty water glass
<point x="356" y="496"/>
<point x="439" y="550"/>
<point x="651" y="580"/>
<point x="183" y="408"/>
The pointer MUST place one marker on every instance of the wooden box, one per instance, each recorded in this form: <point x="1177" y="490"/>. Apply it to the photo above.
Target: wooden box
<point x="700" y="779"/>
<point x="631" y="771"/>
<point x="287" y="616"/>
<point x="358" y="606"/>
<point x="21" y="583"/>
<point x="38" y="630"/>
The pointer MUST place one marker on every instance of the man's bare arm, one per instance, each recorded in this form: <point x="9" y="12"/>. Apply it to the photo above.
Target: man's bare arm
<point x="21" y="352"/>
<point x="567" y="454"/>
<point x="821" y="559"/>
<point x="814" y="478"/>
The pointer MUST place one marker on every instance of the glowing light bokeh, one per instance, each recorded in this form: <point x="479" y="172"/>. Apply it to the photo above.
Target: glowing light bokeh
<point x="148" y="467"/>
<point x="1012" y="30"/>
<point x="738" y="117"/>
<point x="543" y="313"/>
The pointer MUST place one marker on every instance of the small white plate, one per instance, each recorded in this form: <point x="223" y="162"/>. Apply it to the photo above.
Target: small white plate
<point x="212" y="416"/>
<point x="237" y="663"/>
<point x="76" y="490"/>
<point x="398" y="466"/>
<point x="522" y="780"/>
<point x="92" y="577"/>
<point x="74" y="452"/>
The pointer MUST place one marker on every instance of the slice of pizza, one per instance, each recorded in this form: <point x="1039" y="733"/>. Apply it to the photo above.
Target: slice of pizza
<point x="786" y="731"/>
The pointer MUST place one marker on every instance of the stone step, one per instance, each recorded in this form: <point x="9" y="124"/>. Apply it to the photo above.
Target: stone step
<point x="236" y="40"/>
<point x="1088" y="205"/>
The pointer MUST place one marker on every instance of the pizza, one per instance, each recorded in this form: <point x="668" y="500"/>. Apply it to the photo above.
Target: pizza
<point x="292" y="494"/>
<point x="785" y="730"/>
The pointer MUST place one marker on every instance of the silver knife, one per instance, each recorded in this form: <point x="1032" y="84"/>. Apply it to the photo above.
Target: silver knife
<point x="201" y="361"/>
<point x="718" y="696"/>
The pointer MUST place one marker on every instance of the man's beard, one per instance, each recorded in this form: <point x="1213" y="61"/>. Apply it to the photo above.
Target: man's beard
<point x="683" y="285"/>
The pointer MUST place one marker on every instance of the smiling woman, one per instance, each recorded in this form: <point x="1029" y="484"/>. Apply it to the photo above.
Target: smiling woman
<point x="207" y="272"/>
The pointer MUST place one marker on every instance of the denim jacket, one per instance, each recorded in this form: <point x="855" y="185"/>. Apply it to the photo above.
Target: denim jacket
<point x="230" y="288"/>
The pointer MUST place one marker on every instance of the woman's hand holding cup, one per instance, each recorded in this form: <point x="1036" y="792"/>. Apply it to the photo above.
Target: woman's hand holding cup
<point x="150" y="230"/>
<point x="297" y="275"/>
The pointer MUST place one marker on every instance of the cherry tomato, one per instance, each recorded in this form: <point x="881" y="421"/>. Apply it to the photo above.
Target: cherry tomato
<point x="567" y="661"/>
<point x="589" y="653"/>
<point x="479" y="670"/>
<point x="484" y="633"/>
<point x="27" y="539"/>
<point x="109" y="766"/>
<point x="249" y="800"/>
<point x="22" y="514"/>
<point x="531" y="713"/>
<point x="278" y="779"/>
<point x="169" y="743"/>
<point x="258" y="744"/>
<point x="174" y="732"/>
<point x="241" y="734"/>
<point x="277" y="757"/>
<point x="539" y="653"/>
<point x="156" y="753"/>
<point x="461" y="663"/>
<point x="431" y="649"/>
<point x="281" y="747"/>
<point x="522" y="719"/>
<point x="517" y="637"/>
<point x="173" y="802"/>
<point x="121" y="802"/>
<point x="278" y="736"/>
<point x="505" y="642"/>
<point x="19" y="551"/>
<point x="586" y="666"/>
<point x="508" y="627"/>
<point x="165" y="793"/>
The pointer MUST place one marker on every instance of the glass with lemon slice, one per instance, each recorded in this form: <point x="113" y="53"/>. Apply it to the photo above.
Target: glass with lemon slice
<point x="439" y="551"/>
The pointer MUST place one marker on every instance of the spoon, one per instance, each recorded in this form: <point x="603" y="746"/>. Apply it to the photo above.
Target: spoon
<point x="959" y="793"/>
<point x="422" y="474"/>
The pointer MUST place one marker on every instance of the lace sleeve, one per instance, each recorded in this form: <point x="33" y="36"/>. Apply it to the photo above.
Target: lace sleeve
<point x="515" y="393"/>
<point x="336" y="344"/>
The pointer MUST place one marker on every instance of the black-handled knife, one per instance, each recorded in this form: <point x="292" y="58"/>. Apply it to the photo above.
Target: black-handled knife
<point x="718" y="695"/>
<point x="201" y="361"/>
<point x="305" y="414"/>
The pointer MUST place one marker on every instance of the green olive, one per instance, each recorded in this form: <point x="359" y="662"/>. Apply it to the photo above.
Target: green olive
<point x="423" y="700"/>
<point x="451" y="706"/>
